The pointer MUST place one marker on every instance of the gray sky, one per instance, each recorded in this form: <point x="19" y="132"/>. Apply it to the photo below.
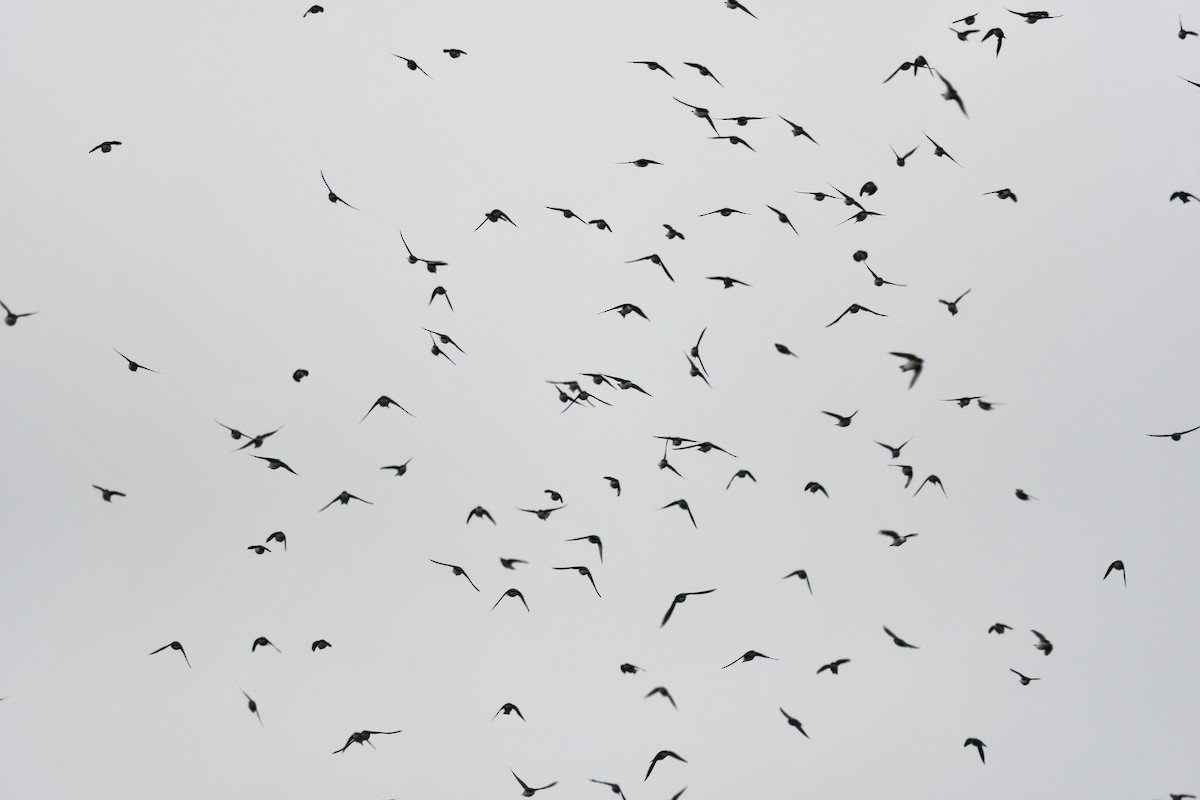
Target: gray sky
<point x="205" y="247"/>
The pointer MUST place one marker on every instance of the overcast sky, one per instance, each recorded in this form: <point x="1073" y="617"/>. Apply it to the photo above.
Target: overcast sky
<point x="205" y="247"/>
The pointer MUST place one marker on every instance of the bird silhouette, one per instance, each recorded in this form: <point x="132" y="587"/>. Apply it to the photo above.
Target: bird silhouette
<point x="913" y="364"/>
<point x="683" y="504"/>
<point x="320" y="644"/>
<point x="741" y="473"/>
<point x="736" y="140"/>
<point x="642" y="162"/>
<point x="344" y="498"/>
<point x="413" y="65"/>
<point x="1183" y="197"/>
<point x="680" y="598"/>
<point x="363" y="737"/>
<point x="507" y="709"/>
<point x="896" y="538"/>
<point x="707" y="73"/>
<point x="784" y="350"/>
<point x="591" y="539"/>
<point x="10" y="319"/>
<point x="795" y="723"/>
<point x="663" y="691"/>
<point x="842" y="422"/>
<point x="802" y="575"/>
<point x="798" y="130"/>
<point x="952" y="305"/>
<point x="659" y="756"/>
<point x="978" y="745"/>
<point x="895" y="451"/>
<point x="613" y="483"/>
<point x="999" y="34"/>
<point x="898" y="641"/>
<point x="108" y="494"/>
<point x="512" y="593"/>
<point x="1119" y="566"/>
<point x="833" y="666"/>
<point x="259" y="549"/>
<point x="1043" y="644"/>
<point x="736" y="6"/>
<point x="673" y="234"/>
<point x="454" y="52"/>
<point x="1033" y="16"/>
<point x="1023" y="495"/>
<point x="854" y="308"/>
<point x="299" y="375"/>
<point x="529" y="791"/>
<point x="1183" y="32"/>
<point x="901" y="160"/>
<point x="1003" y="194"/>
<point x="654" y="66"/>
<point x="1175" y="437"/>
<point x="906" y="471"/>
<point x="630" y="669"/>
<point x="275" y="463"/>
<point x="814" y="487"/>
<point x="935" y="480"/>
<point x="951" y="94"/>
<point x="174" y="646"/>
<point x="106" y="147"/>
<point x="313" y="10"/>
<point x="457" y="570"/>
<point x="586" y="573"/>
<point x="482" y="513"/>
<point x="938" y="150"/>
<point x="749" y="655"/>
<point x="253" y="706"/>
<point x="400" y="468"/>
<point x="385" y="402"/>
<point x="257" y="441"/>
<point x="333" y="197"/>
<point x="133" y="365"/>
<point x="999" y="628"/>
<point x="495" y="215"/>
<point x="508" y="563"/>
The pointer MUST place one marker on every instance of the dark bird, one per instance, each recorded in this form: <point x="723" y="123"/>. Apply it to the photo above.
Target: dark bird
<point x="400" y="468"/>
<point x="541" y="513"/>
<point x="963" y="402"/>
<point x="814" y="487"/>
<point x="951" y="93"/>
<point x="661" y="754"/>
<point x="672" y="233"/>
<point x="1033" y="16"/>
<point x="795" y="723"/>
<point x="906" y="471"/>
<point x="568" y="213"/>
<point x="174" y="646"/>
<point x="952" y="305"/>
<point x="630" y="669"/>
<point x="736" y="6"/>
<point x="333" y="198"/>
<point x="880" y="281"/>
<point x="784" y="219"/>
<point x="10" y="318"/>
<point x="707" y="73"/>
<point x="684" y="505"/>
<point x="257" y="441"/>
<point x="253" y="706"/>
<point x="263" y="641"/>
<point x="507" y="709"/>
<point x="454" y="52"/>
<point x="728" y="282"/>
<point x="299" y="375"/>
<point x="999" y="34"/>
<point x="385" y="402"/>
<point x="440" y="290"/>
<point x="899" y="642"/>
<point x="457" y="570"/>
<point x="508" y="563"/>
<point x="512" y="593"/>
<point x="108" y="494"/>
<point x="860" y="216"/>
<point x="963" y="35"/>
<point x="798" y="130"/>
<point x="413" y="65"/>
<point x="444" y="339"/>
<point x="1120" y="567"/>
<point x="724" y="212"/>
<point x="906" y="66"/>
<point x="601" y="225"/>
<point x="1183" y="197"/>
<point x="663" y="691"/>
<point x="833" y="666"/>
<point x="320" y="644"/>
<point x="735" y="140"/>
<point x="1183" y="33"/>
<point x="897" y="539"/>
<point x="1043" y="643"/>
<point x="741" y="473"/>
<point x="481" y="512"/>
<point x="654" y="65"/>
<point x="978" y="745"/>
<point x="967" y="20"/>
<point x="586" y="573"/>
<point x="938" y="150"/>
<point x="705" y="447"/>
<point x="935" y="480"/>
<point x="1174" y="437"/>
<point x="1024" y="678"/>
<point x="591" y="539"/>
<point x="529" y="791"/>
<point x="653" y="258"/>
<point x="901" y="160"/>
<point x="749" y="655"/>
<point x="854" y="308"/>
<point x="784" y="350"/>
<point x="495" y="215"/>
<point x="801" y="575"/>
<point x="695" y="353"/>
<point x="275" y="463"/>
<point x="999" y="628"/>
<point x="104" y="147"/>
<point x="818" y="196"/>
<point x="554" y="495"/>
<point x="1003" y="194"/>
<point x="741" y="121"/>
<point x="313" y="10"/>
<point x="842" y="422"/>
<point x="895" y="451"/>
<point x="663" y="463"/>
<point x="1023" y="495"/>
<point x="641" y="162"/>
<point x="613" y="483"/>
<point x="234" y="433"/>
<point x="868" y="189"/>
<point x="680" y="598"/>
<point x="344" y="498"/>
<point x="701" y="112"/>
<point x="259" y="549"/>
<point x="133" y="365"/>
<point x="363" y="737"/>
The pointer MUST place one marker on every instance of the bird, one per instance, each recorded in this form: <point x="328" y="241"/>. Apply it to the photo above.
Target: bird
<point x="495" y="215"/>
<point x="320" y="644"/>
<point x="736" y="6"/>
<point x="1118" y="565"/>
<point x="913" y="364"/>
<point x="108" y="494"/>
<point x="673" y="234"/>
<point x="663" y="691"/>
<point x="601" y="225"/>
<point x="529" y="791"/>
<point x="905" y="67"/>
<point x="695" y="351"/>
<point x="818" y="196"/>
<point x="613" y="483"/>
<point x="1024" y="678"/>
<point x="749" y="655"/>
<point x="1033" y="16"/>
<point x="454" y="52"/>
<point x="1023" y="495"/>
<point x="683" y="504"/>
<point x="344" y="498"/>
<point x="440" y="290"/>
<point x="833" y="666"/>
<point x="938" y="150"/>
<point x="363" y="737"/>
<point x="741" y="473"/>
<point x="967" y="20"/>
<point x="978" y="745"/>
<point x="741" y="121"/>
<point x="413" y="65"/>
<point x="897" y="539"/>
<point x="935" y="480"/>
<point x="1184" y="33"/>
<point x="133" y="365"/>
<point x="798" y="130"/>
<point x="1175" y="437"/>
<point x="963" y="402"/>
<point x="999" y="628"/>
<point x="854" y="308"/>
<point x="706" y="72"/>
<point x="1043" y="644"/>
<point x="444" y="339"/>
<point x="258" y="441"/>
<point x="784" y="219"/>
<point x="512" y="593"/>
<point x="641" y="162"/>
<point x="333" y="198"/>
<point x="701" y="112"/>
<point x="795" y="723"/>
<point x="104" y="147"/>
<point x="952" y="305"/>
<point x="385" y="402"/>
<point x="1003" y="194"/>
<point x="736" y="140"/>
<point x="899" y="642"/>
<point x="728" y="282"/>
<point x="1183" y="197"/>
<point x="999" y="34"/>
<point x="724" y="212"/>
<point x="591" y="539"/>
<point x="259" y="549"/>
<point x="541" y="513"/>
<point x="653" y="258"/>
<point x="842" y="422"/>
<point x="784" y="350"/>
<point x="263" y="641"/>
<point x="275" y="463"/>
<point x="174" y="646"/>
<point x="457" y="570"/>
<point x="901" y="160"/>
<point x="895" y="451"/>
<point x="963" y="35"/>
<point x="814" y="487"/>
<point x="253" y="706"/>
<point x="659" y="756"/>
<point x="299" y="375"/>
<point x="951" y="93"/>
<point x="680" y="598"/>
<point x="616" y="789"/>
<point x="906" y="471"/>
<point x="507" y="709"/>
<point x="234" y="433"/>
<point x="10" y="318"/>
<point x="802" y="575"/>
<point x="654" y="65"/>
<point x="400" y="468"/>
<point x="567" y="213"/>
<point x="508" y="563"/>
<point x="630" y="669"/>
<point x="554" y="495"/>
<point x="586" y="573"/>
<point x="313" y="10"/>
<point x="705" y="447"/>
<point x="858" y="217"/>
<point x="481" y="512"/>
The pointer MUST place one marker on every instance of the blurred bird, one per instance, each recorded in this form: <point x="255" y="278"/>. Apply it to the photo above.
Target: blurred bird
<point x="320" y="644"/>
<point x="673" y="234"/>
<point x="1033" y="16"/>
<point x="299" y="375"/>
<point x="259" y="549"/>
<point x="400" y="468"/>
<point x="253" y="706"/>
<point x="814" y="487"/>
<point x="1003" y="194"/>
<point x="901" y="160"/>
<point x="1024" y="678"/>
<point x="630" y="669"/>
<point x="1183" y="197"/>
<point x="444" y="339"/>
<point x="508" y="563"/>
<point x="736" y="6"/>
<point x="895" y="451"/>
<point x="952" y="305"/>
<point x="897" y="539"/>
<point x="275" y="463"/>
<point x="529" y="791"/>
<point x="1023" y="495"/>
<point x="653" y="258"/>
<point x="481" y="512"/>
<point x="263" y="641"/>
<point x="616" y="789"/>
<point x="795" y="723"/>
<point x="967" y="20"/>
<point x="784" y="219"/>
<point x="724" y="212"/>
<point x="1184" y="33"/>
<point x="842" y="422"/>
<point x="680" y="598"/>
<point x="935" y="480"/>
<point x="906" y="471"/>
<point x="741" y="473"/>
<point x="784" y="350"/>
<point x="257" y="441"/>
<point x="978" y="745"/>
<point x="938" y="150"/>
<point x="344" y="498"/>
<point x="541" y="513"/>
<point x="705" y="447"/>
<point x="963" y="35"/>
<point x="11" y="318"/>
<point x="363" y="737"/>
<point x="899" y="642"/>
<point x="1120" y="567"/>
<point x="641" y="162"/>
<point x="736" y="140"/>
<point x="108" y="494"/>
<point x="659" y="756"/>
<point x="174" y="646"/>
<point x="798" y="130"/>
<point x="999" y="628"/>
<point x="600" y="225"/>
<point x="613" y="483"/>
<point x="833" y="666"/>
<point x="913" y="364"/>
<point x="951" y="93"/>
<point x="1043" y="643"/>
<point x="741" y="121"/>
<point x="454" y="52"/>
<point x="999" y="34"/>
<point x="312" y="10"/>
<point x="663" y="691"/>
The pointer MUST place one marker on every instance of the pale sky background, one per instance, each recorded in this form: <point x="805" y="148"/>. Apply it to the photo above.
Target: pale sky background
<point x="205" y="248"/>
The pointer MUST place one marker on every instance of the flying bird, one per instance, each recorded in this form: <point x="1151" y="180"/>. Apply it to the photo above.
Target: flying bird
<point x="591" y="539"/>
<point x="413" y="65"/>
<point x="600" y="225"/>
<point x="507" y="709"/>
<point x="630" y="669"/>
<point x="104" y="147"/>
<point x="895" y="451"/>
<point x="798" y="130"/>
<point x="935" y="480"/>
<point x="680" y="598"/>
<point x="906" y="66"/>
<point x="654" y="65"/>
<point x="736" y="140"/>
<point x="263" y="641"/>
<point x="749" y="655"/>
<point x="541" y="513"/>
<point x="901" y="160"/>
<point x="11" y="318"/>
<point x="641" y="162"/>
<point x="999" y="34"/>
<point x="653" y="258"/>
<point x="333" y="198"/>
<point x="938" y="150"/>
<point x="814" y="487"/>
<point x="897" y="539"/>
<point x="659" y="756"/>
<point x="133" y="365"/>
<point x="344" y="498"/>
<point x="253" y="706"/>
<point x="784" y="219"/>
<point x="705" y="447"/>
<point x="736" y="6"/>
<point x="1119" y="566"/>
<point x="481" y="512"/>
<point x="512" y="593"/>
<point x="741" y="473"/>
<point x="663" y="691"/>
<point x="1175" y="437"/>
<point x="683" y="504"/>
<point x="529" y="791"/>
<point x="728" y="282"/>
<point x="1024" y="495"/>
<point x="1183" y="197"/>
<point x="999" y="628"/>
<point x="1033" y="16"/>
<point x="842" y="422"/>
<point x="964" y="35"/>
<point x="320" y="644"/>
<point x="275" y="463"/>
<point x="457" y="570"/>
<point x="385" y="402"/>
<point x="1183" y="32"/>
<point x="967" y="20"/>
<point x="174" y="646"/>
<point x="795" y="723"/>
<point x="508" y="563"/>
<point x="978" y="745"/>
<point x="899" y="642"/>
<point x="108" y="494"/>
<point x="363" y="737"/>
<point x="707" y="73"/>
<point x="833" y="666"/>
<point x="1043" y="643"/>
<point x="784" y="350"/>
<point x="802" y="575"/>
<point x="400" y="468"/>
<point x="952" y="305"/>
<point x="313" y="10"/>
<point x="906" y="471"/>
<point x="854" y="308"/>
<point x="951" y="93"/>
<point x="454" y="52"/>
<point x="495" y="215"/>
<point x="586" y="573"/>
<point x="259" y="549"/>
<point x="257" y="441"/>
<point x="1003" y="194"/>
<point x="1025" y="679"/>
<point x="673" y="234"/>
<point x="613" y="483"/>
<point x="299" y="375"/>
<point x="444" y="339"/>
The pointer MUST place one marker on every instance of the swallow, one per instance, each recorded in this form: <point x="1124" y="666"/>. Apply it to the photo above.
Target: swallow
<point x="672" y="233"/>
<point x="133" y="365"/>
<point x="728" y="282"/>
<point x="174" y="646"/>
<point x="512" y="593"/>
<point x="707" y="73"/>
<point x="952" y="305"/>
<point x="895" y="451"/>
<point x="741" y="121"/>
<point x="694" y="353"/>
<point x="999" y="34"/>
<point x="630" y="669"/>
<point x="905" y="67"/>
<point x="412" y="258"/>
<point x="724" y="212"/>
<point x="999" y="628"/>
<point x="802" y="575"/>
<point x="299" y="375"/>
<point x="586" y="573"/>
<point x="344" y="498"/>
<point x="253" y="706"/>
<point x="263" y="641"/>
<point x="454" y="52"/>
<point x="798" y="130"/>
<point x="985" y="405"/>
<point x="978" y="745"/>
<point x="600" y="225"/>
<point x="1181" y="796"/>
<point x="1024" y="678"/>
<point x="814" y="487"/>
<point x="735" y="140"/>
<point x="705" y="447"/>
<point x="784" y="219"/>
<point x="508" y="563"/>
<point x="567" y="213"/>
<point x="683" y="504"/>
<point x="818" y="196"/>
<point x="680" y="598"/>
<point x="108" y="494"/>
<point x="258" y="441"/>
<point x="1003" y="194"/>
<point x="952" y="94"/>
<point x="333" y="198"/>
<point x="701" y="112"/>
<point x="1023" y="495"/>
<point x="363" y="737"/>
<point x="507" y="709"/>
<point x="653" y="258"/>
<point x="938" y="150"/>
<point x="935" y="480"/>
<point x="860" y="216"/>
<point x="1174" y="437"/>
<point x="661" y="754"/>
<point x="842" y="422"/>
<point x="1183" y="197"/>
<point x="901" y="160"/>
<point x="967" y="20"/>
<point x="592" y="539"/>
<point x="413" y="65"/>
<point x="963" y="402"/>
<point x="541" y="513"/>
<point x="741" y="473"/>
<point x="259" y="549"/>
<point x="481" y="512"/>
<point x="313" y="10"/>
<point x="495" y="215"/>
<point x="833" y="666"/>
<point x="899" y="642"/>
<point x="1043" y="643"/>
<point x="320" y="644"/>
<point x="1033" y="16"/>
<point x="384" y="402"/>
<point x="104" y="147"/>
<point x="625" y="383"/>
<point x="654" y="65"/>
<point x="613" y="483"/>
<point x="10" y="318"/>
<point x="641" y="162"/>
<point x="663" y="463"/>
<point x="1119" y="566"/>
<point x="748" y="656"/>
<point x="663" y="691"/>
<point x="400" y="468"/>
<point x="457" y="570"/>
<point x="275" y="463"/>
<point x="444" y="339"/>
<point x="795" y="723"/>
<point x="529" y="791"/>
<point x="963" y="35"/>
<point x="784" y="350"/>
<point x="234" y="433"/>
<point x="906" y="471"/>
<point x="896" y="538"/>
<point x="854" y="308"/>
<point x="1183" y="33"/>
